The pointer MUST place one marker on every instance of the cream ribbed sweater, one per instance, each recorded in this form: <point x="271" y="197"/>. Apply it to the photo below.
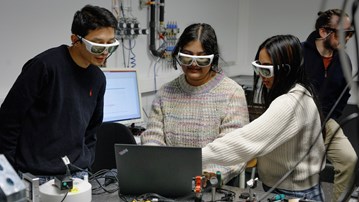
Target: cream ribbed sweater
<point x="279" y="138"/>
<point x="193" y="116"/>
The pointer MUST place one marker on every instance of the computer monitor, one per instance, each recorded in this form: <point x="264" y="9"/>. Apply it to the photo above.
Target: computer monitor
<point x="122" y="101"/>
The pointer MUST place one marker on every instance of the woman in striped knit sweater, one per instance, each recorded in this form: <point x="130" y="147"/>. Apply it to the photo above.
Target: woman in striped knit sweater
<point x="200" y="105"/>
<point x="287" y="138"/>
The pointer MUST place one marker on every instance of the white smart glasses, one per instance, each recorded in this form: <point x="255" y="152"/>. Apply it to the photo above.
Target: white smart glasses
<point x="263" y="70"/>
<point x="98" y="48"/>
<point x="201" y="60"/>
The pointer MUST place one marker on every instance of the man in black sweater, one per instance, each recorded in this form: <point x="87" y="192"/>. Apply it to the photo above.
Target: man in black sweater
<point x="55" y="106"/>
<point x="326" y="70"/>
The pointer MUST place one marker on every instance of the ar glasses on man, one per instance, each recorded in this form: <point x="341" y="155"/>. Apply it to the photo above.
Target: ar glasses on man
<point x="201" y="60"/>
<point x="347" y="33"/>
<point x="98" y="48"/>
<point x="263" y="70"/>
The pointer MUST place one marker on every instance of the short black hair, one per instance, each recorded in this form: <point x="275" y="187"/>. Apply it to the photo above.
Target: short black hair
<point x="90" y="18"/>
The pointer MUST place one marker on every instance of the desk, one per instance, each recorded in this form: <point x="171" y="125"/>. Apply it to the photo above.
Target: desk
<point x="207" y="196"/>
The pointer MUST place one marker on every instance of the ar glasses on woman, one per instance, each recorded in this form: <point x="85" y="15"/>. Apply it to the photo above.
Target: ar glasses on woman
<point x="263" y="70"/>
<point x="201" y="60"/>
<point x="98" y="48"/>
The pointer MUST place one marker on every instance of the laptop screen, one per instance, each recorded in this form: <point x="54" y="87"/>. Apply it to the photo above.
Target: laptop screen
<point x="164" y="170"/>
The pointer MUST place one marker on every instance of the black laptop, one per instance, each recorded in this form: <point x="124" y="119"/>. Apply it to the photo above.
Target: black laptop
<point x="164" y="170"/>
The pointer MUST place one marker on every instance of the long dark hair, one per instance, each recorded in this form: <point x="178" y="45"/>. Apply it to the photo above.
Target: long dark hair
<point x="206" y="35"/>
<point x="287" y="58"/>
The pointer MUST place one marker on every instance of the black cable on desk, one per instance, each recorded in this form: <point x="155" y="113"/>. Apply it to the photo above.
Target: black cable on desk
<point x="228" y="194"/>
<point x="150" y="196"/>
<point x="98" y="175"/>
<point x="65" y="195"/>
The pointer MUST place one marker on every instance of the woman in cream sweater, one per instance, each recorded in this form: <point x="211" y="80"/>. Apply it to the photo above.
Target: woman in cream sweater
<point x="287" y="138"/>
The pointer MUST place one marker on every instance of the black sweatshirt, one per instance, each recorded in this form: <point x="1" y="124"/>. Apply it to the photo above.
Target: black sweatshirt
<point x="328" y="83"/>
<point x="53" y="109"/>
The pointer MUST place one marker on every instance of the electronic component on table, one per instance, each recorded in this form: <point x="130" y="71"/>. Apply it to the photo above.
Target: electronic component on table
<point x="197" y="187"/>
<point x="64" y="182"/>
<point x="136" y="130"/>
<point x="32" y="184"/>
<point x="11" y="186"/>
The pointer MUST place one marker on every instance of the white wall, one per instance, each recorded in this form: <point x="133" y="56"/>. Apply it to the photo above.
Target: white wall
<point x="30" y="27"/>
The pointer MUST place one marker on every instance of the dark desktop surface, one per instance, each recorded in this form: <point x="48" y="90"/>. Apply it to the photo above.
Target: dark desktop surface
<point x="110" y="192"/>
<point x="227" y="193"/>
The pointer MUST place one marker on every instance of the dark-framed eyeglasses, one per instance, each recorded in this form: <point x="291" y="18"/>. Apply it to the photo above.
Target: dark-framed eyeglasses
<point x="347" y="33"/>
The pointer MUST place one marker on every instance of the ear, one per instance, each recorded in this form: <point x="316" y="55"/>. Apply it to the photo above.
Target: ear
<point x="74" y="39"/>
<point x="286" y="68"/>
<point x="323" y="33"/>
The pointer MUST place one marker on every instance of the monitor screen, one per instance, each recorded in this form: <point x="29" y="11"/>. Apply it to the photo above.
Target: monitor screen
<point x="122" y="101"/>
